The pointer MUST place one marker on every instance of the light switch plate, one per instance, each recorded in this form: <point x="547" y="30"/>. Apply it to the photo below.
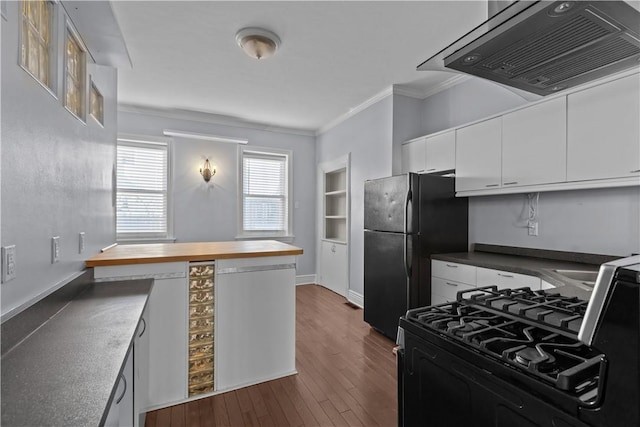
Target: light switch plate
<point x="9" y="270"/>
<point x="81" y="242"/>
<point x="55" y="249"/>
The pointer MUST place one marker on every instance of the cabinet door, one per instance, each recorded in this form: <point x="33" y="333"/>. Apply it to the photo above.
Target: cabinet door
<point x="414" y="156"/>
<point x="534" y="144"/>
<point x="141" y="369"/>
<point x="121" y="410"/>
<point x="333" y="263"/>
<point x="604" y="131"/>
<point x="168" y="341"/>
<point x="441" y="152"/>
<point x="479" y="156"/>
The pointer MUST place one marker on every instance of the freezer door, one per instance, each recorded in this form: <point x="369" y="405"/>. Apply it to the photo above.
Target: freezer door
<point x="389" y="269"/>
<point x="389" y="204"/>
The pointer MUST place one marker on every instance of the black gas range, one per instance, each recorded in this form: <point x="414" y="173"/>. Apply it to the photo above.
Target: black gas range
<point x="522" y="357"/>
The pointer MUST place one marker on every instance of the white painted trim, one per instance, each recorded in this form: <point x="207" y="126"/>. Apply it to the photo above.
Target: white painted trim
<point x="355" y="298"/>
<point x="355" y="110"/>
<point x="206" y="137"/>
<point x="412" y="93"/>
<point x="306" y="279"/>
<point x="202" y="117"/>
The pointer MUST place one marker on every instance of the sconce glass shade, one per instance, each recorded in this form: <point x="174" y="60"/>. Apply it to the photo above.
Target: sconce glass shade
<point x="207" y="171"/>
<point x="258" y="43"/>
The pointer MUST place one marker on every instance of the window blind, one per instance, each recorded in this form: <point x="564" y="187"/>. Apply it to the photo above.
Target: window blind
<point x="141" y="208"/>
<point x="264" y="190"/>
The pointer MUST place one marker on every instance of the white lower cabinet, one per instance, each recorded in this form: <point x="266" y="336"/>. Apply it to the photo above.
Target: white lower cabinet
<point x="449" y="277"/>
<point x="141" y="369"/>
<point x="334" y="266"/>
<point x="447" y="289"/>
<point x="255" y="318"/>
<point x="167" y="342"/>
<point x="121" y="412"/>
<point x="505" y="279"/>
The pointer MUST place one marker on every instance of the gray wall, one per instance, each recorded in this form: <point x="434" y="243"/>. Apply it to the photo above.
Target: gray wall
<point x="368" y="137"/>
<point x="208" y="212"/>
<point x="56" y="174"/>
<point x="406" y="125"/>
<point x="603" y="221"/>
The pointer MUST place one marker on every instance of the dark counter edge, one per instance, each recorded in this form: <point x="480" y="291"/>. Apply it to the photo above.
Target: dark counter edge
<point x="20" y="326"/>
<point x="579" y="257"/>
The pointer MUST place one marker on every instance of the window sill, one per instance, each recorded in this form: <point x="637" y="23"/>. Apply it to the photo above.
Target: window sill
<point x="280" y="238"/>
<point x="132" y="241"/>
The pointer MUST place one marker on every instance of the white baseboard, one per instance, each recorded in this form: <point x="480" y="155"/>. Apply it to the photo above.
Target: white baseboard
<point x="306" y="279"/>
<point x="355" y="298"/>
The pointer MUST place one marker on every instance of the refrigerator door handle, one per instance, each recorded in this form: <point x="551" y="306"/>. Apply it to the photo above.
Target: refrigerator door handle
<point x="407" y="200"/>
<point x="407" y="263"/>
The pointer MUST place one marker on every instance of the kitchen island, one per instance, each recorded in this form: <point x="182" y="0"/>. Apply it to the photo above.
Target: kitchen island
<point x="221" y="315"/>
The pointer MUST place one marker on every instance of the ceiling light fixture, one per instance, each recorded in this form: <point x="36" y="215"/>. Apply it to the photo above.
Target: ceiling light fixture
<point x="258" y="43"/>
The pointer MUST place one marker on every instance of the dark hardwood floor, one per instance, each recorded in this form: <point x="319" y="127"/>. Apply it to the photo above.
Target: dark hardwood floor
<point x="346" y="377"/>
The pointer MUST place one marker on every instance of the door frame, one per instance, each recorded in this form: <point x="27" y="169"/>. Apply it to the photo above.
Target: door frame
<point x="342" y="162"/>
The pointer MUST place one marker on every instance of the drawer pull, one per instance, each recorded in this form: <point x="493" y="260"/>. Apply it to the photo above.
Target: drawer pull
<point x="144" y="327"/>
<point x="511" y="183"/>
<point x="431" y="170"/>
<point x="451" y="284"/>
<point x="635" y="171"/>
<point x="492" y="185"/>
<point x="505" y="275"/>
<point x="451" y="265"/>
<point x="124" y="380"/>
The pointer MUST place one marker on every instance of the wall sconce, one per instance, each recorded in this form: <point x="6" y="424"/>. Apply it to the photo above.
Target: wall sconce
<point x="207" y="171"/>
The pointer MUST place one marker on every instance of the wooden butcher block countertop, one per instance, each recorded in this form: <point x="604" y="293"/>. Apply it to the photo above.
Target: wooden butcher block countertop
<point x="195" y="251"/>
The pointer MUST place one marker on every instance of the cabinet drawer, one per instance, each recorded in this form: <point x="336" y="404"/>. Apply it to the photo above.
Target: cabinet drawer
<point x="437" y="299"/>
<point x="447" y="288"/>
<point x="505" y="279"/>
<point x="453" y="271"/>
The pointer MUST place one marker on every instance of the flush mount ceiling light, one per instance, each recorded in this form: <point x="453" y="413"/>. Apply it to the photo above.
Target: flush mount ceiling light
<point x="258" y="43"/>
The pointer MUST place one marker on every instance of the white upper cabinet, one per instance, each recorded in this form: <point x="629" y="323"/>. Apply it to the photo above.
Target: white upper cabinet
<point x="414" y="155"/>
<point x="441" y="152"/>
<point x="534" y="144"/>
<point x="603" y="131"/>
<point x="479" y="156"/>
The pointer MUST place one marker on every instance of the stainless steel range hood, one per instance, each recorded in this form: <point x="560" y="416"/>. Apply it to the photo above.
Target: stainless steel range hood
<point x="544" y="47"/>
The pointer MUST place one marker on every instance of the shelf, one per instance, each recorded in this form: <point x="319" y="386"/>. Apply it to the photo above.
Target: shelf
<point x="335" y="217"/>
<point x="336" y="193"/>
<point x="335" y="240"/>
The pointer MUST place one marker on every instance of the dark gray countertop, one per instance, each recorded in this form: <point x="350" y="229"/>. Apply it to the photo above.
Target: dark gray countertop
<point x="532" y="262"/>
<point x="65" y="372"/>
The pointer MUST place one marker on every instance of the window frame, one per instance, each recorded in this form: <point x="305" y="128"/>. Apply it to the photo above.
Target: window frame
<point x="70" y="31"/>
<point x="52" y="48"/>
<point x="140" y="140"/>
<point x="286" y="235"/>
<point x="92" y="87"/>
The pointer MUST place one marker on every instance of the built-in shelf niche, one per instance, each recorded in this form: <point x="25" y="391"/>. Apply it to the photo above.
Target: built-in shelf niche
<point x="335" y="205"/>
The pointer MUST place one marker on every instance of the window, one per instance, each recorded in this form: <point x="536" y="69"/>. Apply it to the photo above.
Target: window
<point x="142" y="196"/>
<point x="96" y="104"/>
<point x="265" y="186"/>
<point x="35" y="49"/>
<point x="74" y="91"/>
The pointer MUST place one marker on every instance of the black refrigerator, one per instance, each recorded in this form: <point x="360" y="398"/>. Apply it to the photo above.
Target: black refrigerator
<point x="407" y="218"/>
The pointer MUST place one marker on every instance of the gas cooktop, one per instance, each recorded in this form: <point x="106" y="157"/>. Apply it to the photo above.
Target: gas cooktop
<point x="531" y="331"/>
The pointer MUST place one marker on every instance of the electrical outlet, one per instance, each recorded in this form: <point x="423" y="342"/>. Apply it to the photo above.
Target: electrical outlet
<point x="9" y="270"/>
<point x="55" y="249"/>
<point x="81" y="242"/>
<point x="533" y="228"/>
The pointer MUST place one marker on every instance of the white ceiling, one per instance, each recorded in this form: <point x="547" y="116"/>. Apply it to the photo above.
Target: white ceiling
<point x="334" y="55"/>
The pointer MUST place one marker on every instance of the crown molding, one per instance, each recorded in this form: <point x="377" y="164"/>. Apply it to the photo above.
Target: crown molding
<point x="418" y="94"/>
<point x="218" y="119"/>
<point x="355" y="110"/>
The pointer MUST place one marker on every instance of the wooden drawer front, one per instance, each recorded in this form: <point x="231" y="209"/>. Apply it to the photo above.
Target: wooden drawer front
<point x="505" y="279"/>
<point x="453" y="271"/>
<point x="447" y="288"/>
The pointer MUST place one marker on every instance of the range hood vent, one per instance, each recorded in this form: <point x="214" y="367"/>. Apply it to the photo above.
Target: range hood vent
<point x="544" y="47"/>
